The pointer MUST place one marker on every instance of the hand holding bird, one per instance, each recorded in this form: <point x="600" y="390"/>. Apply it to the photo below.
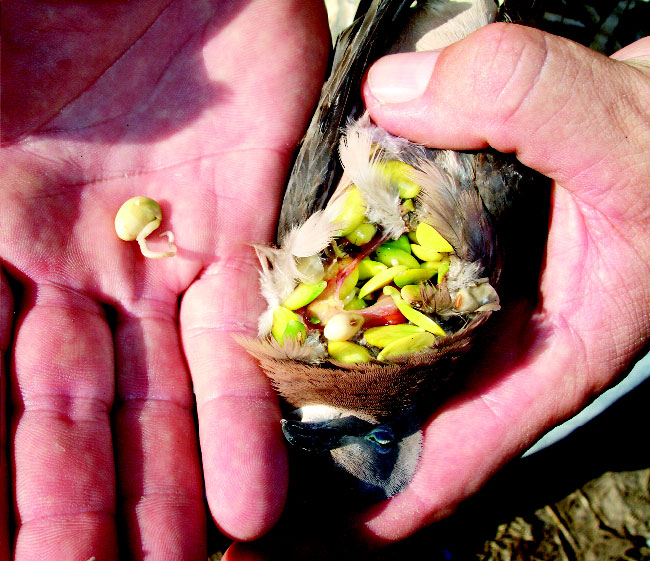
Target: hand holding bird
<point x="544" y="363"/>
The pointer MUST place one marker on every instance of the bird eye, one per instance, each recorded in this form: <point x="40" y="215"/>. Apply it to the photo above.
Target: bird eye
<point x="382" y="436"/>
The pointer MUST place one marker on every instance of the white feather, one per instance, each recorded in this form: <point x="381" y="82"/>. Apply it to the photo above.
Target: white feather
<point x="462" y="274"/>
<point x="359" y="158"/>
<point x="317" y="412"/>
<point x="280" y="270"/>
<point x="311" y="237"/>
<point x="459" y="168"/>
<point x="264" y="323"/>
<point x="396" y="147"/>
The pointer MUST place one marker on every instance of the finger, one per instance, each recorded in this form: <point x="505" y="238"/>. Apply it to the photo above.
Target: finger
<point x="532" y="99"/>
<point x="244" y="459"/>
<point x="521" y="385"/>
<point x="62" y="393"/>
<point x="639" y="50"/>
<point x="159" y="477"/>
<point x="519" y="90"/>
<point x="6" y="310"/>
<point x="579" y="118"/>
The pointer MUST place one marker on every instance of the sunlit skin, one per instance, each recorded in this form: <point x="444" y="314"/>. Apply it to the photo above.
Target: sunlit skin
<point x="198" y="105"/>
<point x="583" y="120"/>
<point x="174" y="101"/>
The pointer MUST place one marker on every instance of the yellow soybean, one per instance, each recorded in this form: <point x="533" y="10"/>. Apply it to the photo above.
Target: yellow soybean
<point x="351" y="353"/>
<point x="429" y="238"/>
<point x="380" y="280"/>
<point x="384" y="335"/>
<point x="349" y="283"/>
<point x="418" y="318"/>
<point x="343" y="326"/>
<point x="408" y="206"/>
<point x="411" y="293"/>
<point x="424" y="253"/>
<point x="136" y="219"/>
<point x="443" y="269"/>
<point x="407" y="345"/>
<point x="134" y="215"/>
<point x="401" y="175"/>
<point x="431" y="265"/>
<point x="353" y="213"/>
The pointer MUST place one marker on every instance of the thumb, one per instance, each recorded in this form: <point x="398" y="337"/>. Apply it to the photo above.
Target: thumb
<point x="637" y="53"/>
<point x="558" y="105"/>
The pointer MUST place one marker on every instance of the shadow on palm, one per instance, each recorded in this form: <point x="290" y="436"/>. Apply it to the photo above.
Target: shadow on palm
<point x="172" y="101"/>
<point x="165" y="110"/>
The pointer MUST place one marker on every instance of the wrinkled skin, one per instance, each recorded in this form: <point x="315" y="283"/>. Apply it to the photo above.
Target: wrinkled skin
<point x="101" y="428"/>
<point x="198" y="105"/>
<point x="583" y="120"/>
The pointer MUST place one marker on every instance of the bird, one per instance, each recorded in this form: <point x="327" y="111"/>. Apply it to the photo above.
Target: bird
<point x="391" y="260"/>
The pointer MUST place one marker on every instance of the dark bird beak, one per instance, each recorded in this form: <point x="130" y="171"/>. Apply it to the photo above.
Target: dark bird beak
<point x="378" y="460"/>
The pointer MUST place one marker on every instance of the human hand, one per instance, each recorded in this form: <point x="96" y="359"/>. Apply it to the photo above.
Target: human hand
<point x="198" y="105"/>
<point x="581" y="119"/>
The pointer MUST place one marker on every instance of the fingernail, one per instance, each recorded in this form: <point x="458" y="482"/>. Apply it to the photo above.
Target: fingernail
<point x="401" y="77"/>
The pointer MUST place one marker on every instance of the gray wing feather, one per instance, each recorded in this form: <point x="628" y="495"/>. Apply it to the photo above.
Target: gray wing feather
<point x="316" y="170"/>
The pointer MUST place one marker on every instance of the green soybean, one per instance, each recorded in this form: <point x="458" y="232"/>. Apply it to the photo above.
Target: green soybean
<point x="402" y="243"/>
<point x="368" y="268"/>
<point x="391" y="257"/>
<point x="287" y="324"/>
<point x="413" y="276"/>
<point x="303" y="294"/>
<point x="362" y="234"/>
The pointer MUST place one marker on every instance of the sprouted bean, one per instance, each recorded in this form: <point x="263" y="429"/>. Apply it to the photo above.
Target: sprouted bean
<point x="136" y="219"/>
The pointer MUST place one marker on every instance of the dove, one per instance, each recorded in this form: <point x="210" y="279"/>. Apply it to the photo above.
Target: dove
<point x="390" y="262"/>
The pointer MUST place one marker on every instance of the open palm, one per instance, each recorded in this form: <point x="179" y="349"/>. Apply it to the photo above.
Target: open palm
<point x="197" y="105"/>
